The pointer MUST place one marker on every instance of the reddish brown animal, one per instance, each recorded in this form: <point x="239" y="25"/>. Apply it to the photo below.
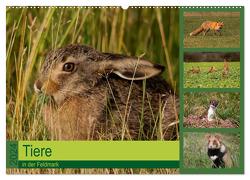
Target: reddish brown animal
<point x="106" y="96"/>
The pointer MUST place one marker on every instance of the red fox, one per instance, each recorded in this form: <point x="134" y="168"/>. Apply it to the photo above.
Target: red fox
<point x="207" y="26"/>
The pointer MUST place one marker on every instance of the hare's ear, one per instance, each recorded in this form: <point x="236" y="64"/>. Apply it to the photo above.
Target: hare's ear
<point x="133" y="69"/>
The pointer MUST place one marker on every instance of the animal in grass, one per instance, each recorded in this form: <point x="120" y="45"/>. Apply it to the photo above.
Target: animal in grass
<point x="99" y="95"/>
<point x="218" y="152"/>
<point x="212" y="69"/>
<point x="226" y="68"/>
<point x="191" y="70"/>
<point x="211" y="114"/>
<point x="195" y="70"/>
<point x="207" y="26"/>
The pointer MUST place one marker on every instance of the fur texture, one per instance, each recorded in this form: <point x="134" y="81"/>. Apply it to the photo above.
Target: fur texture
<point x="207" y="26"/>
<point x="211" y="115"/>
<point x="100" y="96"/>
<point x="217" y="152"/>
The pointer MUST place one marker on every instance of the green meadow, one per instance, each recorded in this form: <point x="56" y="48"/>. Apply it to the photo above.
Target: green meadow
<point x="230" y="37"/>
<point x="214" y="79"/>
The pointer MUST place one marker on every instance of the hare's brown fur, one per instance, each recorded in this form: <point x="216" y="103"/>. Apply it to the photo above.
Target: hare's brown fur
<point x="103" y="97"/>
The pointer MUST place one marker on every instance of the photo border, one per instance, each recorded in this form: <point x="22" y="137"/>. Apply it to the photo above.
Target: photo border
<point x="240" y="170"/>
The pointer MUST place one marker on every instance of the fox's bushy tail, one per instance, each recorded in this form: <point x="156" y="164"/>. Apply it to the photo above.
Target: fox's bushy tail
<point x="196" y="31"/>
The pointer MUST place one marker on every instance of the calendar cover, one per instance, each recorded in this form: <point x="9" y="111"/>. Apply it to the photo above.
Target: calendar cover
<point x="107" y="90"/>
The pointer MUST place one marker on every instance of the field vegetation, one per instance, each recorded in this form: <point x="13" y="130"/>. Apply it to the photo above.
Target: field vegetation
<point x="32" y="32"/>
<point x="196" y="105"/>
<point x="215" y="79"/>
<point x="195" y="149"/>
<point x="230" y="37"/>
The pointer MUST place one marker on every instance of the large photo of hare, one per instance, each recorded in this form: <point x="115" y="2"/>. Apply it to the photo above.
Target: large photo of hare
<point x="211" y="29"/>
<point x="93" y="74"/>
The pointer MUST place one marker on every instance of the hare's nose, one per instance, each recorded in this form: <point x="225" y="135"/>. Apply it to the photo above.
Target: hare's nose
<point x="38" y="86"/>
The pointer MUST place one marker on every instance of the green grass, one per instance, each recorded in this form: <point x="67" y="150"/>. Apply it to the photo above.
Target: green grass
<point x="195" y="150"/>
<point x="32" y="32"/>
<point x="97" y="171"/>
<point x="212" y="80"/>
<point x="196" y="103"/>
<point x="230" y="33"/>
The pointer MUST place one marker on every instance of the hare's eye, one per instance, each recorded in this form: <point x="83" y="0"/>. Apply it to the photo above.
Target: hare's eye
<point x="68" y="67"/>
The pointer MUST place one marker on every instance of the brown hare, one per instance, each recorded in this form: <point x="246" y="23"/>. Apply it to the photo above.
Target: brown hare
<point x="212" y="69"/>
<point x="104" y="96"/>
<point x="225" y="71"/>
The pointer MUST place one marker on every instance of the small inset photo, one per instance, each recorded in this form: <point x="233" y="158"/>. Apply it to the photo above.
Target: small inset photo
<point x="211" y="150"/>
<point x="211" y="69"/>
<point x="211" y="110"/>
<point x="211" y="29"/>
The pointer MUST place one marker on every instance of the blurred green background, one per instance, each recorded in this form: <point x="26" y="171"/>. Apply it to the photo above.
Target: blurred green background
<point x="32" y="32"/>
